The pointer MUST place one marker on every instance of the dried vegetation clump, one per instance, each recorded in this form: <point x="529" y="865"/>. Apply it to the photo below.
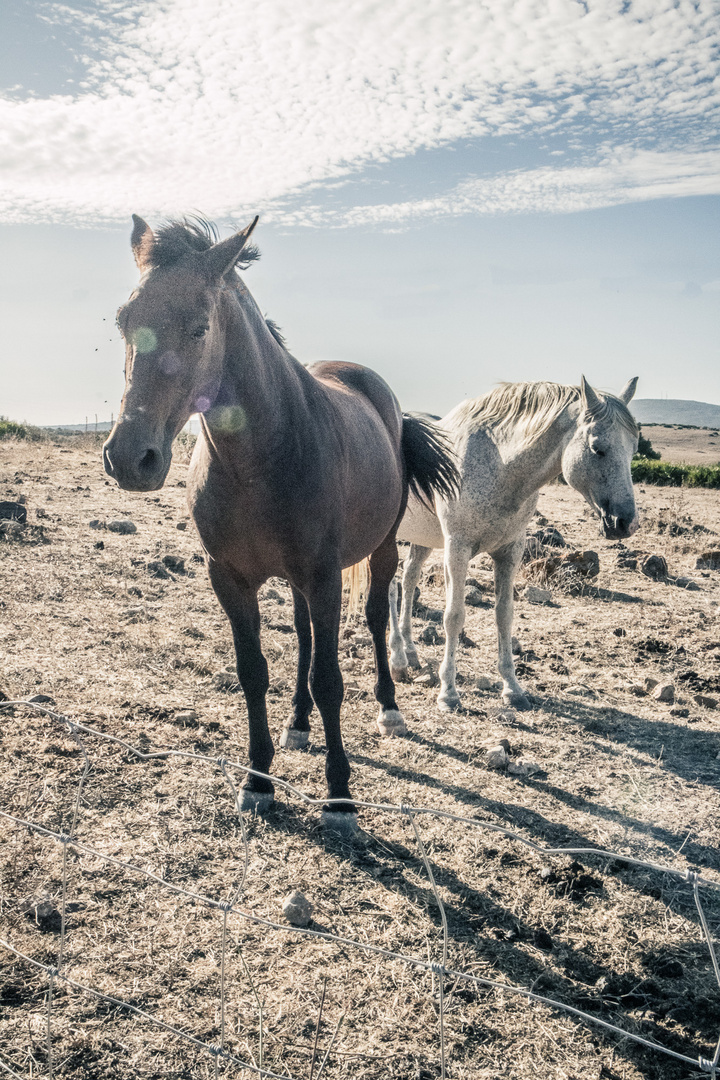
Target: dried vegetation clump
<point x="89" y="620"/>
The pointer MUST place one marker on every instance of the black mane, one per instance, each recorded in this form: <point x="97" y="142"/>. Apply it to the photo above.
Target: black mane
<point x="176" y="239"/>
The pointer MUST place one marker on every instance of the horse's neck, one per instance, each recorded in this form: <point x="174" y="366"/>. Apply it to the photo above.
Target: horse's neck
<point x="259" y="374"/>
<point x="531" y="466"/>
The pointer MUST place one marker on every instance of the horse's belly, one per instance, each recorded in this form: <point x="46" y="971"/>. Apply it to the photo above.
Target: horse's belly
<point x="420" y="525"/>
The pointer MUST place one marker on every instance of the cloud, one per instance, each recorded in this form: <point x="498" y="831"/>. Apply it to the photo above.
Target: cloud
<point x="258" y="105"/>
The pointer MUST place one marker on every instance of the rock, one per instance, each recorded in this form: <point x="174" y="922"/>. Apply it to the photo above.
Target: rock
<point x="157" y="570"/>
<point x="13" y="511"/>
<point x="186" y="716"/>
<point x="584" y="563"/>
<point x="654" y="567"/>
<point x="483" y="683"/>
<point x="665" y="692"/>
<point x="682" y="714"/>
<point x="123" y="526"/>
<point x="533" y="549"/>
<point x="537" y="596"/>
<point x="619" y="631"/>
<point x="428" y="677"/>
<point x="666" y="968"/>
<point x="543" y="569"/>
<point x="649" y="684"/>
<point x="687" y="583"/>
<point x="174" y="563"/>
<point x="181" y="525"/>
<point x="43" y="913"/>
<point x="95" y="524"/>
<point x="626" y="562"/>
<point x="497" y="757"/>
<point x="472" y="582"/>
<point x="473" y="597"/>
<point x="705" y="701"/>
<point x="709" y="560"/>
<point x="99" y="545"/>
<point x="516" y="647"/>
<point x="297" y="909"/>
<point x="636" y="691"/>
<point x="551" y="537"/>
<point x="273" y="594"/>
<point x="429" y="636"/>
<point x="41" y="699"/>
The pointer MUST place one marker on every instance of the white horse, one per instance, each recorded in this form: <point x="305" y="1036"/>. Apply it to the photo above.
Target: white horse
<point x="508" y="444"/>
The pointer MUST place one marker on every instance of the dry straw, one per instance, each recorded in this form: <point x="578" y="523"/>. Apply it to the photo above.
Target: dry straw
<point x="440" y="971"/>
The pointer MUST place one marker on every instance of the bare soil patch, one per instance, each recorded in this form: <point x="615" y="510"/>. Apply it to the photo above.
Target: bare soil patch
<point x="123" y="632"/>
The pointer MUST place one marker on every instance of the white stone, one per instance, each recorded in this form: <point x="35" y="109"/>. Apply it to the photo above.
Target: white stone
<point x="537" y="596"/>
<point x="297" y="909"/>
<point x="665" y="692"/>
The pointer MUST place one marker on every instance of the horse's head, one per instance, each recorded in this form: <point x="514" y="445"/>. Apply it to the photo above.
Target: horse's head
<point x="174" y="348"/>
<point x="596" y="461"/>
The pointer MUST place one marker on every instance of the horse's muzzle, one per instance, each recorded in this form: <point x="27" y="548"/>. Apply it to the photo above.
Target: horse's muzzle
<point x="619" y="528"/>
<point x="135" y="470"/>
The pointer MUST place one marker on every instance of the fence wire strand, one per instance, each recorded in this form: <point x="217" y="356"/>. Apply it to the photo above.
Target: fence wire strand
<point x="231" y="906"/>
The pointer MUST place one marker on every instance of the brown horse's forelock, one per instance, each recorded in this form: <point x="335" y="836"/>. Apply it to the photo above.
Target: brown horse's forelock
<point x="174" y="240"/>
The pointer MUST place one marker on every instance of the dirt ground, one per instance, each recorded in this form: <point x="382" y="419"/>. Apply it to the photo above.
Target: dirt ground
<point x="85" y="620"/>
<point x="684" y="446"/>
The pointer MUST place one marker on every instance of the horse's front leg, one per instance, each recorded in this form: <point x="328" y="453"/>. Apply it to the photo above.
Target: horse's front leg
<point x="457" y="557"/>
<point x="506" y="562"/>
<point x="297" y="731"/>
<point x="324" y="598"/>
<point x="383" y="564"/>
<point x="239" y="601"/>
<point x="399" y="660"/>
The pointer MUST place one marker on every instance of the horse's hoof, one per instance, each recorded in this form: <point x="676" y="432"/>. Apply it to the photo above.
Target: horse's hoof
<point x="257" y="802"/>
<point x="521" y="702"/>
<point x="391" y="722"/>
<point x="448" y="703"/>
<point x="345" y="824"/>
<point x="292" y="739"/>
<point x="400" y="674"/>
<point x="414" y="660"/>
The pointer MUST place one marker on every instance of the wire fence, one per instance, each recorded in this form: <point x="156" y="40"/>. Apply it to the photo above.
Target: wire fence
<point x="439" y="970"/>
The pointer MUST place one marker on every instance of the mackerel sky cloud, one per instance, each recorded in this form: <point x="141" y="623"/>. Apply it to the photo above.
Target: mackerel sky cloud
<point x="239" y="107"/>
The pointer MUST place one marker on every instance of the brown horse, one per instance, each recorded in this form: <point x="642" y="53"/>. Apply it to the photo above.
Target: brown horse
<point x="297" y="473"/>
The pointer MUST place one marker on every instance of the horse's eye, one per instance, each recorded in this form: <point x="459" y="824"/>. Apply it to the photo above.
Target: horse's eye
<point x="199" y="331"/>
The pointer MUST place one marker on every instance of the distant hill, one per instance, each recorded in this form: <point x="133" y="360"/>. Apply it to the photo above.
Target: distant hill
<point x="675" y="411"/>
<point x="69" y="429"/>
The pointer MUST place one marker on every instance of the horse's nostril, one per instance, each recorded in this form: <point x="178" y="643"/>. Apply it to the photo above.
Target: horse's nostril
<point x="148" y="463"/>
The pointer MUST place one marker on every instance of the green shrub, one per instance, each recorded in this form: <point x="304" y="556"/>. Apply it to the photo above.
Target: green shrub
<point x="645" y="471"/>
<point x="10" y="430"/>
<point x="645" y="448"/>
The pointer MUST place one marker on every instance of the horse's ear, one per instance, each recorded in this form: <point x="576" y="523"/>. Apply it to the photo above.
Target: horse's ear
<point x="589" y="398"/>
<point x="628" y="391"/>
<point x="142" y="242"/>
<point x="221" y="258"/>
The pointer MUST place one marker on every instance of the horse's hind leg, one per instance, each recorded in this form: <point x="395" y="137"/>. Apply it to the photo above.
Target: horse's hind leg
<point x="457" y="557"/>
<point x="239" y="600"/>
<point x="506" y="562"/>
<point x="297" y="732"/>
<point x="400" y="659"/>
<point x="383" y="564"/>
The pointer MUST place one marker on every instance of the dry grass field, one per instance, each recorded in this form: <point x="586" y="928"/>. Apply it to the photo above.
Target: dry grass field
<point x="684" y="446"/>
<point x="85" y="619"/>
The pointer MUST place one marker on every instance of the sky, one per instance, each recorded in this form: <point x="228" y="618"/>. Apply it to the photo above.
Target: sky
<point x="454" y="192"/>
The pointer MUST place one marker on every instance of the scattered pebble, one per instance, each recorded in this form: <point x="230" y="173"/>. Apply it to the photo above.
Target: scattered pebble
<point x="705" y="701"/>
<point x="157" y="570"/>
<point x="537" y="596"/>
<point x="297" y="909"/>
<point x="186" y="716"/>
<point x="174" y="563"/>
<point x="483" y="683"/>
<point x="123" y="526"/>
<point x="654" y="567"/>
<point x="41" y="699"/>
<point x="474" y="598"/>
<point x="497" y="758"/>
<point x="13" y="511"/>
<point x="709" y="560"/>
<point x="551" y="537"/>
<point x="665" y="692"/>
<point x="181" y="525"/>
<point x="224" y="680"/>
<point x="650" y="684"/>
<point x="429" y="635"/>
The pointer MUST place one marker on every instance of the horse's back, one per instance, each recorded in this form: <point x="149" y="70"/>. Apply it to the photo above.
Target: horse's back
<point x="342" y="376"/>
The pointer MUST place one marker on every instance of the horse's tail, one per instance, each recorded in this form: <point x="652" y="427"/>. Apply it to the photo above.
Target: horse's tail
<point x="355" y="581"/>
<point x="429" y="460"/>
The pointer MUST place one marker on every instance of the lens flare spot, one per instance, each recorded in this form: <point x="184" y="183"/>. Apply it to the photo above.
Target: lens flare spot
<point x="202" y="404"/>
<point x="144" y="339"/>
<point x="227" y="419"/>
<point x="169" y="363"/>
